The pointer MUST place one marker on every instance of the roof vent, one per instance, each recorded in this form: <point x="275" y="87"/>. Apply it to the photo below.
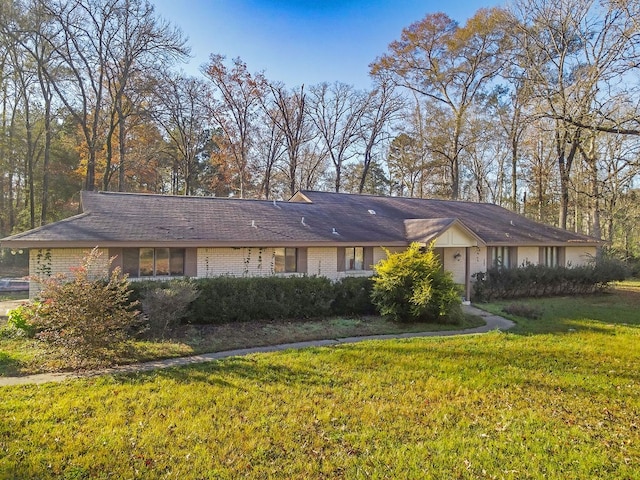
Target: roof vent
<point x="511" y="222"/>
<point x="253" y="224"/>
<point x="302" y="222"/>
<point x="371" y="212"/>
<point x="335" y="232"/>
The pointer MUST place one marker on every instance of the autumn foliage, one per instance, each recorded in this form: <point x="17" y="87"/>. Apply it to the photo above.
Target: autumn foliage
<point x="85" y="317"/>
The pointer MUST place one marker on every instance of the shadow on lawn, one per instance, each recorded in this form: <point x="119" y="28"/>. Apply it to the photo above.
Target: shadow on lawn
<point x="9" y="366"/>
<point x="222" y="372"/>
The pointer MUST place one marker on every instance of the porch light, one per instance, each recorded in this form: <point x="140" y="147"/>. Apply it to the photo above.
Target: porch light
<point x="457" y="256"/>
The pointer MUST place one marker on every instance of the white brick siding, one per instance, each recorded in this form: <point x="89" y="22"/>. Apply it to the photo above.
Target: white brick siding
<point x="249" y="262"/>
<point x="323" y="262"/>
<point x="54" y="261"/>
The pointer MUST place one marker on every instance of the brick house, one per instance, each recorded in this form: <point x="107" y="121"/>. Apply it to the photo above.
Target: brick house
<point x="314" y="233"/>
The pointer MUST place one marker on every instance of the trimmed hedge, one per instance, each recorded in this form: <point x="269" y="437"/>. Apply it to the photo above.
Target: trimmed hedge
<point x="543" y="281"/>
<point x="240" y="299"/>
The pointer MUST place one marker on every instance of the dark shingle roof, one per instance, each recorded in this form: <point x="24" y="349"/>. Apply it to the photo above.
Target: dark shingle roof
<point x="313" y="218"/>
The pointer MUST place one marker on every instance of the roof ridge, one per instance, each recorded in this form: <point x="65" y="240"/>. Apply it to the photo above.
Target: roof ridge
<point x="190" y="197"/>
<point x="430" y="199"/>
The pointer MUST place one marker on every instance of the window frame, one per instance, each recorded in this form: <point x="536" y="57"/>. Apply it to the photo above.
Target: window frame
<point x="154" y="262"/>
<point x="288" y="262"/>
<point x="352" y="261"/>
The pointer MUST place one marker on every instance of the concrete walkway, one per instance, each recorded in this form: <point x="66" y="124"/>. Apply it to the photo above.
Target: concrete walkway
<point x="493" y="322"/>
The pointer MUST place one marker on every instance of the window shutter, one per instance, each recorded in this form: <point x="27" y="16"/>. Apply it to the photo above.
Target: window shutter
<point x="368" y="258"/>
<point x="340" y="256"/>
<point x="302" y="260"/>
<point x="191" y="262"/>
<point x="513" y="257"/>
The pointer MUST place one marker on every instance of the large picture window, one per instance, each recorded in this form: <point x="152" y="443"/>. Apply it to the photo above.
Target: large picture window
<point x="153" y="262"/>
<point x="285" y="260"/>
<point x="354" y="258"/>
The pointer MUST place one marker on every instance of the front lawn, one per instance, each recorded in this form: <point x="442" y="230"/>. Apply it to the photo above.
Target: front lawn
<point x="619" y="306"/>
<point x="557" y="405"/>
<point x="490" y="406"/>
<point x="25" y="356"/>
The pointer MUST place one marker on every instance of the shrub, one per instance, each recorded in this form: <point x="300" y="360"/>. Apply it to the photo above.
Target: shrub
<point x="19" y="318"/>
<point x="165" y="307"/>
<point x="352" y="296"/>
<point x="236" y="299"/>
<point x="412" y="286"/>
<point x="85" y="317"/>
<point x="541" y="281"/>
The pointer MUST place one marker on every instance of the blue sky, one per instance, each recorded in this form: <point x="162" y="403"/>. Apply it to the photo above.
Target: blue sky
<point x="302" y="41"/>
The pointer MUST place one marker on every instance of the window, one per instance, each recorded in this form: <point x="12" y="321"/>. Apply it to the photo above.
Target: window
<point x="550" y="256"/>
<point x="285" y="260"/>
<point x="501" y="257"/>
<point x="354" y="258"/>
<point x="153" y="262"/>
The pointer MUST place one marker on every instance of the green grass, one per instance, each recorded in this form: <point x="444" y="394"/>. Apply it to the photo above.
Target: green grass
<point x="492" y="406"/>
<point x="558" y="405"/>
<point x="620" y="306"/>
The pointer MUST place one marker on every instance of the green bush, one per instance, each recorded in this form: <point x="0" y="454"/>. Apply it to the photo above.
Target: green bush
<point x="19" y="320"/>
<point x="86" y="318"/>
<point x="165" y="307"/>
<point x="235" y="299"/>
<point x="411" y="286"/>
<point x="542" y="281"/>
<point x="238" y="299"/>
<point x="352" y="296"/>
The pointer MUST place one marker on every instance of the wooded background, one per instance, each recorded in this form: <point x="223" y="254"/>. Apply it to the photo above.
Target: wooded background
<point x="535" y="107"/>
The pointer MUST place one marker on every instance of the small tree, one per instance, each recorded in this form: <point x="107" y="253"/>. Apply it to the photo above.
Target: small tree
<point x="89" y="315"/>
<point x="165" y="307"/>
<point x="411" y="286"/>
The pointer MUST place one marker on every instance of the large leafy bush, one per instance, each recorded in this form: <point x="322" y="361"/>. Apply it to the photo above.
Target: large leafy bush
<point x="411" y="286"/>
<point x="85" y="316"/>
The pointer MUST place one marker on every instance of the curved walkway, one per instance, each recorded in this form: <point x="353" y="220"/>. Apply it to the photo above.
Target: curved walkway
<point x="493" y="322"/>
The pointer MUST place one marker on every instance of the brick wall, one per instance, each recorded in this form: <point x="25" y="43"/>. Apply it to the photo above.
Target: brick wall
<point x="49" y="262"/>
<point x="250" y="262"/>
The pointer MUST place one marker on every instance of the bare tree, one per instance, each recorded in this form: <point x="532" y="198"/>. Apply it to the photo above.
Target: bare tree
<point x="574" y="56"/>
<point x="336" y="112"/>
<point x="383" y="106"/>
<point x="237" y="96"/>
<point x="184" y="120"/>
<point x="290" y="115"/>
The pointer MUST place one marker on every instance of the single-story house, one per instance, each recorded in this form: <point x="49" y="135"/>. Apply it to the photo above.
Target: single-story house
<point x="314" y="233"/>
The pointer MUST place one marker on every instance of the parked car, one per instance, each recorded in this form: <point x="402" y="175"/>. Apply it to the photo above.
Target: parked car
<point x="13" y="285"/>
